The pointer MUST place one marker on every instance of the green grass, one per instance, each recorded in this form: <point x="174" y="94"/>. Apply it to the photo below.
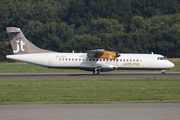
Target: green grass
<point x="29" y="68"/>
<point x="89" y="91"/>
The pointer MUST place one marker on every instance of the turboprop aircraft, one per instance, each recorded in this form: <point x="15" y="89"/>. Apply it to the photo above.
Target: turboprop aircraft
<point x="94" y="60"/>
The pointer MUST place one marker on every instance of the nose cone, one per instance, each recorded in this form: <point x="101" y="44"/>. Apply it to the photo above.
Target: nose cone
<point x="171" y="65"/>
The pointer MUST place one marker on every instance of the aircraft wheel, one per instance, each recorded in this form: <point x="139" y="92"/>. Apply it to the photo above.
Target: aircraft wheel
<point x="96" y="72"/>
<point x="163" y="72"/>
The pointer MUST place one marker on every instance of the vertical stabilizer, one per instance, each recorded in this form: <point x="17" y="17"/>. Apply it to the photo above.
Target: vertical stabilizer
<point x="20" y="44"/>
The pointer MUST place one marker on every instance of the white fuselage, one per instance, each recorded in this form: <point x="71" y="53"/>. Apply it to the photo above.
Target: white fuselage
<point x="82" y="61"/>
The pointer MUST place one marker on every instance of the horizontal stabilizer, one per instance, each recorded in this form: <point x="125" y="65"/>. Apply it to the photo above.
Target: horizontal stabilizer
<point x="13" y="30"/>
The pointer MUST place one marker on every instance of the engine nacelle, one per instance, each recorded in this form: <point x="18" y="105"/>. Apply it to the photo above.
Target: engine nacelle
<point x="103" y="54"/>
<point x="106" y="55"/>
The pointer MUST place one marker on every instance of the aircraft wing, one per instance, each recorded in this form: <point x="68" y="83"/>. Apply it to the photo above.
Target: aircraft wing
<point x="101" y="53"/>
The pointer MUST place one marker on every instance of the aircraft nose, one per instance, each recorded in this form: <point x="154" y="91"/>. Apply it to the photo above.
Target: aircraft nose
<point x="171" y="64"/>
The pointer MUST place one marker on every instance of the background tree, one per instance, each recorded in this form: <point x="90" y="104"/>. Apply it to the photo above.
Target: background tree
<point x="132" y="26"/>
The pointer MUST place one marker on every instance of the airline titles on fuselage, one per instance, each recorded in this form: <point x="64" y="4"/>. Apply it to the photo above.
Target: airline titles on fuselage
<point x="131" y="64"/>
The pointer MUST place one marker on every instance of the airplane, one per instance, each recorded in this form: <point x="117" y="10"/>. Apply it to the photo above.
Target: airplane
<point x="96" y="61"/>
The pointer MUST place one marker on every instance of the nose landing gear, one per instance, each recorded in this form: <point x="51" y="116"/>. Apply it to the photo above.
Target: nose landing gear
<point x="163" y="72"/>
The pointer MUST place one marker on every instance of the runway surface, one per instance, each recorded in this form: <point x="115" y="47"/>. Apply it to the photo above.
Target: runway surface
<point x="85" y="75"/>
<point x="123" y="111"/>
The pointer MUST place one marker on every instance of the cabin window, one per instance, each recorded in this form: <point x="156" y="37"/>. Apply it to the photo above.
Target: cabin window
<point x="117" y="60"/>
<point x="76" y="59"/>
<point x="66" y="59"/>
<point x="130" y="60"/>
<point x="93" y="59"/>
<point x="140" y="60"/>
<point x="124" y="60"/>
<point x="89" y="59"/>
<point x="158" y="58"/>
<point x="96" y="59"/>
<point x="83" y="59"/>
<point x="120" y="60"/>
<point x="86" y="59"/>
<point x="103" y="59"/>
<point x="137" y="60"/>
<point x="63" y="59"/>
<point x="100" y="59"/>
<point x="72" y="59"/>
<point x="107" y="59"/>
<point x="79" y="59"/>
<point x="133" y="60"/>
<point x="69" y="59"/>
<point x="59" y="59"/>
<point x="127" y="60"/>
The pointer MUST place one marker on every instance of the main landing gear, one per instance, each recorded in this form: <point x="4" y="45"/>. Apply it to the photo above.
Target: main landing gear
<point x="163" y="72"/>
<point x="97" y="70"/>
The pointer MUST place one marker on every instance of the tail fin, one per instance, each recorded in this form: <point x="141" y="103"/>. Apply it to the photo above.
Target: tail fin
<point x="20" y="44"/>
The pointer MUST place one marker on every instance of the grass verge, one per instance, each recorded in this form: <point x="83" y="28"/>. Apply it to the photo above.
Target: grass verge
<point x="52" y="91"/>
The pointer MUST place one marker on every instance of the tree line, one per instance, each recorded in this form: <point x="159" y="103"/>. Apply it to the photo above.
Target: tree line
<point x="124" y="26"/>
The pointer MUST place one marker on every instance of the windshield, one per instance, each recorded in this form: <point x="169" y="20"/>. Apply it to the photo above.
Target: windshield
<point x="161" y="58"/>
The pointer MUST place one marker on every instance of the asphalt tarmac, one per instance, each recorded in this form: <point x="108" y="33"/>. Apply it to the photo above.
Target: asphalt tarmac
<point x="90" y="75"/>
<point x="123" y="111"/>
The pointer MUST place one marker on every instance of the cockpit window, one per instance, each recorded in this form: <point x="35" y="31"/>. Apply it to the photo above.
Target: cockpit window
<point x="161" y="58"/>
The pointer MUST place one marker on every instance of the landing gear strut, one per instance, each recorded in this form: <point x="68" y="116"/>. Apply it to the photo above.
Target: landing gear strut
<point x="163" y="72"/>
